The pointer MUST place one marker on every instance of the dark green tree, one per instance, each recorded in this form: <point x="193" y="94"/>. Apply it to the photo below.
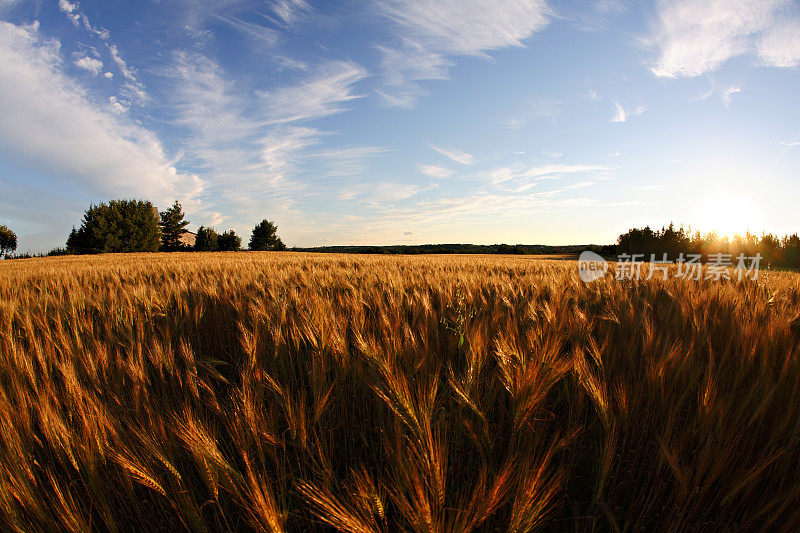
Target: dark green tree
<point x="791" y="250"/>
<point x="206" y="240"/>
<point x="73" y="241"/>
<point x="265" y="237"/>
<point x="8" y="240"/>
<point x="770" y="246"/>
<point x="173" y="226"/>
<point x="116" y="226"/>
<point x="229" y="242"/>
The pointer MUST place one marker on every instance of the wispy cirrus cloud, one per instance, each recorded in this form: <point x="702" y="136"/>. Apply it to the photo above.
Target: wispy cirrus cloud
<point x="694" y="37"/>
<point x="426" y="214"/>
<point x="263" y="35"/>
<point x="404" y="66"/>
<point x="255" y="151"/>
<point x="346" y="160"/>
<point x="435" y="171"/>
<point x="380" y="194"/>
<point x="324" y="94"/>
<point x="622" y="114"/>
<point x="290" y="11"/>
<point x="467" y="27"/>
<point x="455" y="154"/>
<point x="432" y="30"/>
<point x="727" y="94"/>
<point x="779" y="46"/>
<point x="543" y="107"/>
<point x="260" y="20"/>
<point x="504" y="174"/>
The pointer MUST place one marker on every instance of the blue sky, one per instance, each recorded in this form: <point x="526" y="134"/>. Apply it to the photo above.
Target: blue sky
<point x="403" y="121"/>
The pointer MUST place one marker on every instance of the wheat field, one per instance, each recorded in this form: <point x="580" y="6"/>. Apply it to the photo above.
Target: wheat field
<point x="294" y="392"/>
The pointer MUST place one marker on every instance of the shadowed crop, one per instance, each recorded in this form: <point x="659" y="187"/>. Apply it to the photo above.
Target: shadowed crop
<point x="289" y="392"/>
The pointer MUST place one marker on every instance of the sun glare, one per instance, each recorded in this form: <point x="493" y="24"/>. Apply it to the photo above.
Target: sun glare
<point x="727" y="213"/>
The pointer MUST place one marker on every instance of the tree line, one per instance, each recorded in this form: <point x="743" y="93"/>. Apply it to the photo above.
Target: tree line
<point x="775" y="251"/>
<point x="121" y="226"/>
<point x="454" y="249"/>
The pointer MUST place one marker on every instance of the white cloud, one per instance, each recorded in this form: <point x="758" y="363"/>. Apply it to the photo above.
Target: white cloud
<point x="579" y="185"/>
<point x="706" y="95"/>
<point x="430" y="30"/>
<point x="404" y="66"/>
<point x="289" y="11"/>
<point x="228" y="136"/>
<point x="468" y="27"/>
<point x="78" y="19"/>
<point x="280" y="147"/>
<point x="261" y="34"/>
<point x="547" y="108"/>
<point x="435" y="171"/>
<point x="727" y="96"/>
<point x="51" y="122"/>
<point x="65" y="6"/>
<point x="256" y="153"/>
<point x="90" y="64"/>
<point x="132" y="89"/>
<point x="697" y="36"/>
<point x="118" y="106"/>
<point x="789" y="143"/>
<point x="515" y="123"/>
<point x="780" y="44"/>
<point x="622" y="114"/>
<point x="541" y="172"/>
<point x="347" y="160"/>
<point x="318" y="96"/>
<point x="444" y="213"/>
<point x="121" y="64"/>
<point x="456" y="155"/>
<point x="207" y="104"/>
<point x="377" y="194"/>
<point x="284" y="62"/>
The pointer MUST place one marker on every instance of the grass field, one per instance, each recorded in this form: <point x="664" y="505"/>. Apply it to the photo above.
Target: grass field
<point x="283" y="391"/>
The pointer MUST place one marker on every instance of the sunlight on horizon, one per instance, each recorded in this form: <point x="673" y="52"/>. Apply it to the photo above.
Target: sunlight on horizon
<point x="728" y="213"/>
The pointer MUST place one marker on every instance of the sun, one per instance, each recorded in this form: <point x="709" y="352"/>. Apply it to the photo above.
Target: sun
<point x="727" y="213"/>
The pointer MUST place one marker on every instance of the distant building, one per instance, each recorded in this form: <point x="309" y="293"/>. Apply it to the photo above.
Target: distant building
<point x="187" y="238"/>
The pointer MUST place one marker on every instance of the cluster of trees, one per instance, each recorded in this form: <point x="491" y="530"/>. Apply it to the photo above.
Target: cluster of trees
<point x="117" y="226"/>
<point x="132" y="226"/>
<point x="208" y="240"/>
<point x="775" y="251"/>
<point x="8" y="240"/>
